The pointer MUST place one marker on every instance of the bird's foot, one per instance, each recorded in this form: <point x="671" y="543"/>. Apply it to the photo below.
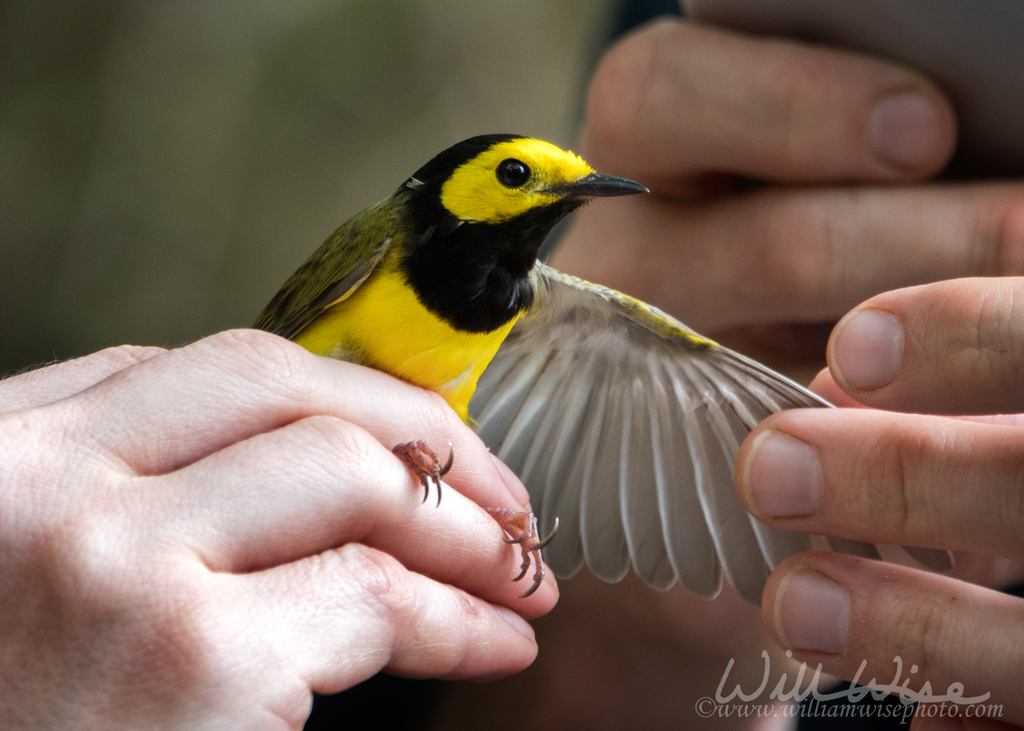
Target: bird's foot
<point x="423" y="462"/>
<point x="521" y="527"/>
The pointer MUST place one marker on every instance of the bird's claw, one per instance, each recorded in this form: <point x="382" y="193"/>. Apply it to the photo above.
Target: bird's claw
<point x="423" y="462"/>
<point x="521" y="527"/>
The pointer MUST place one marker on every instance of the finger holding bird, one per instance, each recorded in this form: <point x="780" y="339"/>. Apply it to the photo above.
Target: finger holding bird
<point x="623" y="423"/>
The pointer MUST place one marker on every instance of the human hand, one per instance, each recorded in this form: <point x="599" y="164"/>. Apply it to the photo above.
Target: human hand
<point x="847" y="142"/>
<point x="200" y="537"/>
<point x="789" y="183"/>
<point x="913" y="478"/>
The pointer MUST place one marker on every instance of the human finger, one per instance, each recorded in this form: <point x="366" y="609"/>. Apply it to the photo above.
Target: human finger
<point x="884" y="477"/>
<point x="54" y="382"/>
<point x="185" y="404"/>
<point x="679" y="99"/>
<point x="349" y="612"/>
<point x="825" y="386"/>
<point x="319" y="483"/>
<point x="945" y="348"/>
<point x="842" y="611"/>
<point x="978" y="568"/>
<point x="795" y="255"/>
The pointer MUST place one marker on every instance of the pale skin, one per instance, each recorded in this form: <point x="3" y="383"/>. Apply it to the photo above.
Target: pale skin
<point x="905" y="477"/>
<point x="199" y="538"/>
<point x="843" y="147"/>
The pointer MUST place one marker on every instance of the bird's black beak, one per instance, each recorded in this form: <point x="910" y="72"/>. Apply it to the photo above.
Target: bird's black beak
<point x="597" y="185"/>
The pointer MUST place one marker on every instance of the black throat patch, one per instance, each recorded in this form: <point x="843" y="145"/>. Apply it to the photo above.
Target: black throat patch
<point x="475" y="276"/>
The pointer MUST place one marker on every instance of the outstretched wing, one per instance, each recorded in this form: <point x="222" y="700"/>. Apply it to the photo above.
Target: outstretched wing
<point x="625" y="425"/>
<point x="331" y="274"/>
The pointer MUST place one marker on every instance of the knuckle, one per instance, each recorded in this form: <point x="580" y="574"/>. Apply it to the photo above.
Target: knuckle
<point x="262" y="344"/>
<point x="902" y="496"/>
<point x="804" y="105"/>
<point x="437" y="415"/>
<point x="384" y="585"/>
<point x="268" y="351"/>
<point x="894" y="478"/>
<point x="124" y="356"/>
<point x="336" y="439"/>
<point x="997" y="340"/>
<point x="442" y="426"/>
<point x="323" y="452"/>
<point x="795" y="258"/>
<point x="329" y="451"/>
<point x="917" y="632"/>
<point x="261" y="358"/>
<point x="793" y="76"/>
<point x="470" y="610"/>
<point x="393" y="598"/>
<point x="91" y="560"/>
<point x="898" y="459"/>
<point x="475" y="633"/>
<point x="885" y="501"/>
<point x="622" y="87"/>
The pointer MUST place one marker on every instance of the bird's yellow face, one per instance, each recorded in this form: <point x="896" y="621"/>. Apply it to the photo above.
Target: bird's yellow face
<point x="509" y="179"/>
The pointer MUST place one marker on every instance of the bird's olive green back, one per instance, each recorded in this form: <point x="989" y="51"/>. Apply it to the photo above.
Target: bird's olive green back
<point x="334" y="270"/>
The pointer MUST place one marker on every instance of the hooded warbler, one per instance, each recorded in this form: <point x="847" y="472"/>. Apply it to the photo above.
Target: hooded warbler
<point x="621" y="421"/>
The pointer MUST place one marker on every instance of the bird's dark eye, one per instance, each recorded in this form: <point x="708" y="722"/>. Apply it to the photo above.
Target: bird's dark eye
<point x="512" y="173"/>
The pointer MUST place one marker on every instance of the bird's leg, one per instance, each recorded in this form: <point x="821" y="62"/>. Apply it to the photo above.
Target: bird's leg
<point x="423" y="462"/>
<point x="521" y="527"/>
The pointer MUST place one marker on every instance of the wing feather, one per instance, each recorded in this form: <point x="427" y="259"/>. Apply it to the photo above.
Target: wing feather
<point x="638" y="486"/>
<point x="523" y="430"/>
<point x="735" y="539"/>
<point x="537" y="457"/>
<point x="566" y="497"/>
<point x="555" y="463"/>
<point x="679" y="454"/>
<point x="331" y="273"/>
<point x="751" y="403"/>
<point x="504" y="396"/>
<point x="625" y="425"/>
<point x="601" y="530"/>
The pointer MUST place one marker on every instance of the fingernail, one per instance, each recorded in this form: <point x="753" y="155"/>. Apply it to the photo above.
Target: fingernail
<point x="521" y="625"/>
<point x="812" y="613"/>
<point x="868" y="349"/>
<point x="783" y="476"/>
<point x="514" y="485"/>
<point x="906" y="130"/>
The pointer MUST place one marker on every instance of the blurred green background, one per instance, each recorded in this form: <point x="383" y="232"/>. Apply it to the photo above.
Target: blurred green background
<point x="166" y="164"/>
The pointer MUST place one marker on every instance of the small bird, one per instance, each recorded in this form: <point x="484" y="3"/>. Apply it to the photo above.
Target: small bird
<point x="623" y="423"/>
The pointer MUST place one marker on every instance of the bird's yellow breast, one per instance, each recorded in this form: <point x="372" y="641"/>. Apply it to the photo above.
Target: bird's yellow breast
<point x="383" y="325"/>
